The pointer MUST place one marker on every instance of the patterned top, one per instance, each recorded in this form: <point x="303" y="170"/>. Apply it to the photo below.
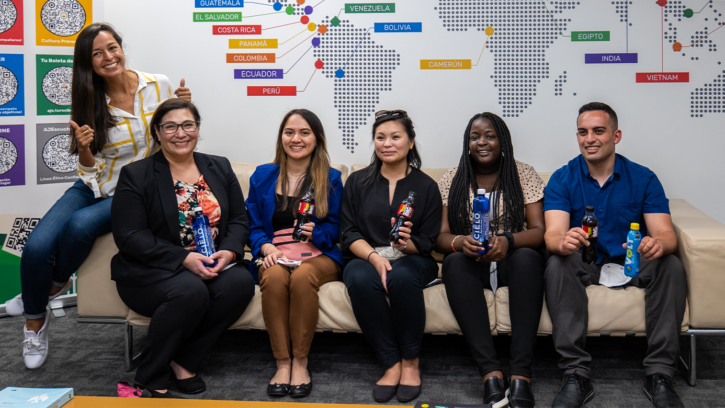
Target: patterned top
<point x="189" y="196"/>
<point x="531" y="184"/>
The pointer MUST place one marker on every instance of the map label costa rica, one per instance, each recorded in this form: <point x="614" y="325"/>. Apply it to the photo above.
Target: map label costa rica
<point x="236" y="29"/>
<point x="256" y="43"/>
<point x="251" y="58"/>
<point x="398" y="27"/>
<point x="258" y="74"/>
<point x="590" y="35"/>
<point x="630" y="58"/>
<point x="446" y="64"/>
<point x="218" y="3"/>
<point x="369" y="7"/>
<point x="659" y="77"/>
<point x="204" y="17"/>
<point x="271" y="91"/>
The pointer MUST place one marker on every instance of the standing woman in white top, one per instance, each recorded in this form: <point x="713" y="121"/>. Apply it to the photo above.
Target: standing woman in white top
<point x="111" y="107"/>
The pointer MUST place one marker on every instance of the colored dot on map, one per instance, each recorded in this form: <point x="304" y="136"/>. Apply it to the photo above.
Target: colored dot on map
<point x="340" y="73"/>
<point x="304" y="20"/>
<point x="688" y="13"/>
<point x="311" y="26"/>
<point x="277" y="6"/>
<point x="319" y="64"/>
<point x="322" y="29"/>
<point x="308" y="10"/>
<point x="316" y="42"/>
<point x="335" y="21"/>
<point x="289" y="10"/>
<point x="300" y="2"/>
<point x="677" y="47"/>
<point x="489" y="30"/>
<point x="662" y="3"/>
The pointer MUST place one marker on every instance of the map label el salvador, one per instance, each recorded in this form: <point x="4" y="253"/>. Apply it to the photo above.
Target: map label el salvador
<point x="622" y="58"/>
<point x="398" y="27"/>
<point x="258" y="74"/>
<point x="369" y="7"/>
<point x="218" y="3"/>
<point x="590" y="35"/>
<point x="215" y="17"/>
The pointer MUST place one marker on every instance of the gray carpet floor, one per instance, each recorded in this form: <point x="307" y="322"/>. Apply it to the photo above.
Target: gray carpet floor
<point x="89" y="358"/>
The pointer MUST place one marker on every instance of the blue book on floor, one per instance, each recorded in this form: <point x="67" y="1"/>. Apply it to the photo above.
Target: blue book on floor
<point x="35" y="397"/>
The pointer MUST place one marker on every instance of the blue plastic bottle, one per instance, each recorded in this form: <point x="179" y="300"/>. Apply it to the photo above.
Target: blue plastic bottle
<point x="631" y="264"/>
<point x="481" y="220"/>
<point x="203" y="236"/>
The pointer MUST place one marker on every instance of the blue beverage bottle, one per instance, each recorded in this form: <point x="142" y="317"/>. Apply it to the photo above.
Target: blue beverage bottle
<point x="481" y="220"/>
<point x="631" y="263"/>
<point x="203" y="236"/>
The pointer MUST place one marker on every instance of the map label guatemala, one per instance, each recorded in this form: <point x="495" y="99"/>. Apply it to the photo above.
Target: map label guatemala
<point x="218" y="3"/>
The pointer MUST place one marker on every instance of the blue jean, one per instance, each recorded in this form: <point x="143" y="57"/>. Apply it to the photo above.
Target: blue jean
<point x="60" y="243"/>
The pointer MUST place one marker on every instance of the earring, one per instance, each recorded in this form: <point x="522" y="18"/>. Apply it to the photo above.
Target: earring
<point x="469" y="152"/>
<point x="411" y="147"/>
<point x="501" y="154"/>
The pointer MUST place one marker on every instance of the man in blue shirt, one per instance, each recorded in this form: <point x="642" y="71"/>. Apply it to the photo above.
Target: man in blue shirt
<point x="621" y="192"/>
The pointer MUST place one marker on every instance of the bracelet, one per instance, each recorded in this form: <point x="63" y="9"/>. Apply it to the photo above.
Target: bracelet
<point x="510" y="238"/>
<point x="454" y="241"/>
<point x="264" y="254"/>
<point x="234" y="256"/>
<point x="373" y="252"/>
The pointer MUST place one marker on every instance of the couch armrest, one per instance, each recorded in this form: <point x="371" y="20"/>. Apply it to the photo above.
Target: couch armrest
<point x="97" y="295"/>
<point x="701" y="247"/>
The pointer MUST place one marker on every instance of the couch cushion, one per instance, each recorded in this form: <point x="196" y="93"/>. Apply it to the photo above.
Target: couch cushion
<point x="97" y="295"/>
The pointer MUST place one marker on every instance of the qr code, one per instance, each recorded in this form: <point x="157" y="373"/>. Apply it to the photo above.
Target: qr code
<point x="56" y="156"/>
<point x="22" y="227"/>
<point x="8" y="155"/>
<point x="63" y="17"/>
<point x="8" y="15"/>
<point x="57" y="84"/>
<point x="8" y="86"/>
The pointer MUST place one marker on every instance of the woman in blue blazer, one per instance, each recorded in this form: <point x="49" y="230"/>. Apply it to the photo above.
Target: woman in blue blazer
<point x="290" y="292"/>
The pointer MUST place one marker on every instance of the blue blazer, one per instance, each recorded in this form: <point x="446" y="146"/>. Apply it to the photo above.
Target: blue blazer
<point x="261" y="205"/>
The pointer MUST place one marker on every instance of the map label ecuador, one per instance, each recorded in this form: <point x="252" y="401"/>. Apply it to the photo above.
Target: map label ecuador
<point x="446" y="64"/>
<point x="590" y="35"/>
<point x="256" y="43"/>
<point x="258" y="74"/>
<point x="236" y="29"/>
<point x="369" y="7"/>
<point x="630" y="58"/>
<point x="251" y="58"/>
<point x="658" y="77"/>
<point x="398" y="27"/>
<point x="271" y="91"/>
<point x="218" y="3"/>
<point x="213" y="17"/>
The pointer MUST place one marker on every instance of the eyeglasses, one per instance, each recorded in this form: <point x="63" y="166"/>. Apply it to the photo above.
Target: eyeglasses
<point x="396" y="112"/>
<point x="188" y="126"/>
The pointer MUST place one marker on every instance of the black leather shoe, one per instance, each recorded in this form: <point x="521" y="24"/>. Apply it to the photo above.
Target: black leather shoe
<point x="408" y="392"/>
<point x="384" y="393"/>
<point x="193" y="385"/>
<point x="520" y="394"/>
<point x="575" y="392"/>
<point x="661" y="392"/>
<point x="302" y="390"/>
<point x="495" y="392"/>
<point x="278" y="390"/>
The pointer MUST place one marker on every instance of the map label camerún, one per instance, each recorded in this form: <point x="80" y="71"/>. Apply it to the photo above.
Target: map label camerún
<point x="215" y="17"/>
<point x="369" y="7"/>
<point x="658" y="77"/>
<point x="237" y="29"/>
<point x="398" y="27"/>
<point x="446" y="64"/>
<point x="630" y="58"/>
<point x="590" y="35"/>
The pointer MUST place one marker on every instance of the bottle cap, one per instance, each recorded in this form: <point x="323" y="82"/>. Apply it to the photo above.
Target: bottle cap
<point x="634" y="226"/>
<point x="481" y="191"/>
<point x="411" y="194"/>
<point x="311" y="190"/>
<point x="197" y="209"/>
<point x="590" y="208"/>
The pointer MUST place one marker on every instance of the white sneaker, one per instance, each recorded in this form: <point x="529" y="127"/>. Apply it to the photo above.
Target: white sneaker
<point x="15" y="306"/>
<point x="35" y="345"/>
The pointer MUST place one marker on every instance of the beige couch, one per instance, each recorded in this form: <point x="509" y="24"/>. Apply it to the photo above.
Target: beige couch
<point x="612" y="312"/>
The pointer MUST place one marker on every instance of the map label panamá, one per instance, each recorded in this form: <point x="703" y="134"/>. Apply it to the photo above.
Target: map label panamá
<point x="217" y="17"/>
<point x="662" y="77"/>
<point x="251" y="58"/>
<point x="271" y="91"/>
<point x="258" y="74"/>
<point x="445" y="64"/>
<point x="218" y="3"/>
<point x="237" y="30"/>
<point x="628" y="58"/>
<point x="369" y="7"/>
<point x="590" y="35"/>
<point x="398" y="27"/>
<point x="255" y="43"/>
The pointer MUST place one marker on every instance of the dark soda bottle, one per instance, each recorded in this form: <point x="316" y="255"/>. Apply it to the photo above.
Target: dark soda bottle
<point x="304" y="213"/>
<point x="590" y="225"/>
<point x="405" y="213"/>
<point x="203" y="236"/>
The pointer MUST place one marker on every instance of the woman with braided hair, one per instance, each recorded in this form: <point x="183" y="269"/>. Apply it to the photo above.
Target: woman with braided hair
<point x="517" y="227"/>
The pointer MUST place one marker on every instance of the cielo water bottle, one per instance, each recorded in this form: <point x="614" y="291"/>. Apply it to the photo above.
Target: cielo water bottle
<point x="481" y="219"/>
<point x="631" y="263"/>
<point x="203" y="236"/>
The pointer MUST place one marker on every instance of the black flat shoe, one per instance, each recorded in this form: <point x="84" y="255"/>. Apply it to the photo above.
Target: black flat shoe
<point x="575" y="392"/>
<point x="521" y="395"/>
<point x="495" y="392"/>
<point x="193" y="385"/>
<point x="661" y="392"/>
<point x="302" y="390"/>
<point x="278" y="390"/>
<point x="408" y="392"/>
<point x="147" y="393"/>
<point x="384" y="393"/>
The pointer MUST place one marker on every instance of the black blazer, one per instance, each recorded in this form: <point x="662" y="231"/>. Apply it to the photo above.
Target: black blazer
<point x="145" y="218"/>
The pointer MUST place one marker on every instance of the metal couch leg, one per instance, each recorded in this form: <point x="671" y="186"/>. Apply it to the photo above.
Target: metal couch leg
<point x="689" y="365"/>
<point x="131" y="360"/>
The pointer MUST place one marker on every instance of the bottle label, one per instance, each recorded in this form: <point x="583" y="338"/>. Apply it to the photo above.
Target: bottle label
<point x="306" y="208"/>
<point x="405" y="210"/>
<point x="592" y="232"/>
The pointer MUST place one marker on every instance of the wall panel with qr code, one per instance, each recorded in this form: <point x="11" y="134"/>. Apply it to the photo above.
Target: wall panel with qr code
<point x="54" y="75"/>
<point x="55" y="163"/>
<point x="12" y="85"/>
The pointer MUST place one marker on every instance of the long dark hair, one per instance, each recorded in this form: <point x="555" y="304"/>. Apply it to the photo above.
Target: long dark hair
<point x="88" y="90"/>
<point x="317" y="174"/>
<point x="507" y="182"/>
<point x="373" y="171"/>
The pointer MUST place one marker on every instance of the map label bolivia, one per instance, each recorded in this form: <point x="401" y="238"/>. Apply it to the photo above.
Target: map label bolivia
<point x="256" y="43"/>
<point x="251" y="58"/>
<point x="445" y="64"/>
<point x="203" y="17"/>
<point x="398" y="27"/>
<point x="369" y="7"/>
<point x="236" y="29"/>
<point x="258" y="74"/>
<point x="218" y="3"/>
<point x="659" y="77"/>
<point x="630" y="58"/>
<point x="590" y="35"/>
<point x="271" y="91"/>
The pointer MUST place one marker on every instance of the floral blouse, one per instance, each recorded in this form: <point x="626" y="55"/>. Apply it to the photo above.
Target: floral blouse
<point x="189" y="196"/>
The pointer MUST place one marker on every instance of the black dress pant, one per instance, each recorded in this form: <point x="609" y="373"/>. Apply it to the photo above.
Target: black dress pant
<point x="395" y="330"/>
<point x="665" y="286"/>
<point x="523" y="272"/>
<point x="187" y="317"/>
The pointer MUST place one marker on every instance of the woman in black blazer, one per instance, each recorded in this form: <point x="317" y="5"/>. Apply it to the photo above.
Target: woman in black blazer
<point x="158" y="272"/>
